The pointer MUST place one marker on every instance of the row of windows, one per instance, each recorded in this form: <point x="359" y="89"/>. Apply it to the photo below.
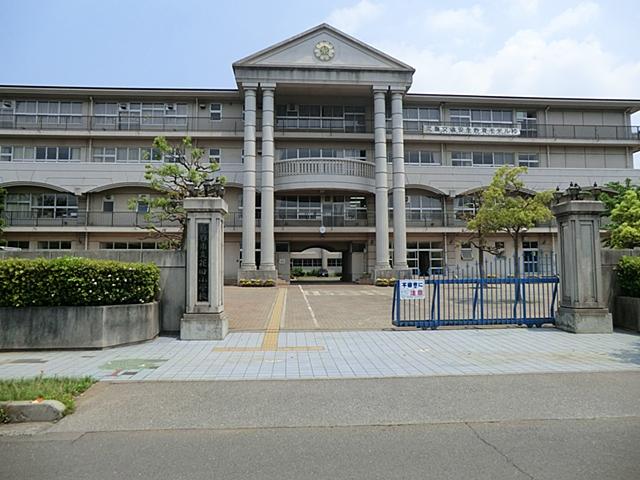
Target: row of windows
<point x="292" y="153"/>
<point x="306" y="262"/>
<point x="131" y="245"/>
<point x="39" y="154"/>
<point x="20" y="153"/>
<point x="472" y="159"/>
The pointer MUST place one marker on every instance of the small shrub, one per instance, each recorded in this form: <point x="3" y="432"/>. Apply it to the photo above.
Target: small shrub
<point x="75" y="281"/>
<point x="255" y="282"/>
<point x="628" y="274"/>
<point x="297" y="272"/>
<point x="385" y="282"/>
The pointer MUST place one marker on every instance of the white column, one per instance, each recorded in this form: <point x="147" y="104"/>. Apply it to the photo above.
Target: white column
<point x="382" y="186"/>
<point x="399" y="218"/>
<point x="267" y="237"/>
<point x="249" y="181"/>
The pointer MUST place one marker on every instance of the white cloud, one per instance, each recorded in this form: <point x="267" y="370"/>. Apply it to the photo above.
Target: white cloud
<point x="573" y="17"/>
<point x="351" y="19"/>
<point x="457" y="20"/>
<point x="526" y="7"/>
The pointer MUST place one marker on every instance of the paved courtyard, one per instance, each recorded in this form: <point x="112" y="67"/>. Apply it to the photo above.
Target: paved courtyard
<point x="311" y="306"/>
<point x="358" y="354"/>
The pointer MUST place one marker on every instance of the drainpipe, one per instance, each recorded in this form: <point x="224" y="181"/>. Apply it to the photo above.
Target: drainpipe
<point x="86" y="221"/>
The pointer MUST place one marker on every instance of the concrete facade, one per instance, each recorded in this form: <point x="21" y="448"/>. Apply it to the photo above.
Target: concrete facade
<point x="323" y="147"/>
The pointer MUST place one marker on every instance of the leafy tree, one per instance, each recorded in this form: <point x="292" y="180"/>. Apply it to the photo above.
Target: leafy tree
<point x="625" y="221"/>
<point x="481" y="225"/>
<point x="183" y="174"/>
<point x="616" y="192"/>
<point x="508" y="207"/>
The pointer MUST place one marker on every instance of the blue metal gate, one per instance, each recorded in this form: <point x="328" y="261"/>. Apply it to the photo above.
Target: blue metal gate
<point x="501" y="293"/>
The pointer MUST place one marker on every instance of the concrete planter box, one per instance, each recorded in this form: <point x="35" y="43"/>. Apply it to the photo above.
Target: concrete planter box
<point x="77" y="327"/>
<point x="627" y="313"/>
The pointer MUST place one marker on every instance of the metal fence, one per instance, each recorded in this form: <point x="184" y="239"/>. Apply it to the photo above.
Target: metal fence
<point x="502" y="292"/>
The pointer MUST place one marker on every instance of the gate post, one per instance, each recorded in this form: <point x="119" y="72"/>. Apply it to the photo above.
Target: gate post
<point x="204" y="318"/>
<point x="582" y="308"/>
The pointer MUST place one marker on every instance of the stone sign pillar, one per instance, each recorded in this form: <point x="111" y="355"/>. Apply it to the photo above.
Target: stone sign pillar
<point x="204" y="318"/>
<point x="582" y="306"/>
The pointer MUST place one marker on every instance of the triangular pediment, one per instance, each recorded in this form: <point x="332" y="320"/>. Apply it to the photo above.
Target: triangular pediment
<point x="323" y="47"/>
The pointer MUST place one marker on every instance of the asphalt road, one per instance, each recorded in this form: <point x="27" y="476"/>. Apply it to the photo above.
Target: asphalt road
<point x="557" y="426"/>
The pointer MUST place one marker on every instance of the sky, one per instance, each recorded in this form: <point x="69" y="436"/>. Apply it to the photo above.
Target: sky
<point x="584" y="48"/>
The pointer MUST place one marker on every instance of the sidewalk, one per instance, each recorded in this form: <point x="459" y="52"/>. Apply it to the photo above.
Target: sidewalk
<point x="322" y="355"/>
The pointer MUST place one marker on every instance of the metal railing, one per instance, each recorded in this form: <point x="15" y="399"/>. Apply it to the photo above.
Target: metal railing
<point x="504" y="291"/>
<point x="82" y="219"/>
<point x="325" y="166"/>
<point x="135" y="123"/>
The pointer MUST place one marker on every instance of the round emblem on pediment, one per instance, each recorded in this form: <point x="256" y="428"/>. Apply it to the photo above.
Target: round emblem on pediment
<point x="324" y="51"/>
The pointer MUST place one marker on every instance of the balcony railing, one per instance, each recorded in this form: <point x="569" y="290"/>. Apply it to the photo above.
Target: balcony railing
<point x="82" y="219"/>
<point x="325" y="166"/>
<point x="135" y="123"/>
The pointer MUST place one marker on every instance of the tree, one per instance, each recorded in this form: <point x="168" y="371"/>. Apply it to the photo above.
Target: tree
<point x="625" y="221"/>
<point x="183" y="174"/>
<point x="508" y="207"/>
<point x="481" y="225"/>
<point x="615" y="192"/>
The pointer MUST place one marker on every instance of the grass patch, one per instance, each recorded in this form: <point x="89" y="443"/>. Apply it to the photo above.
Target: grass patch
<point x="63" y="389"/>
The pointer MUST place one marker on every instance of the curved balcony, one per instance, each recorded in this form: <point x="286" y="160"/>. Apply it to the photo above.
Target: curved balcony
<point x="323" y="173"/>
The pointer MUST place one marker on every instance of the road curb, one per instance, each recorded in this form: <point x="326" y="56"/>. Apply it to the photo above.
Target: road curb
<point x="27" y="411"/>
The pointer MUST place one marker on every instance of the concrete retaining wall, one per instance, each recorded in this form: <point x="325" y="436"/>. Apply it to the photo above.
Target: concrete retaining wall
<point x="627" y="313"/>
<point x="77" y="327"/>
<point x="172" y="275"/>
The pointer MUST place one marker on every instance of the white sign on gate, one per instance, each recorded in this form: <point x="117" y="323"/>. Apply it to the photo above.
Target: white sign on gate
<point x="411" y="289"/>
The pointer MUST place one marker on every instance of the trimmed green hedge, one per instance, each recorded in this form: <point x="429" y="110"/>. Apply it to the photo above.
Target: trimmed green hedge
<point x="75" y="281"/>
<point x="628" y="273"/>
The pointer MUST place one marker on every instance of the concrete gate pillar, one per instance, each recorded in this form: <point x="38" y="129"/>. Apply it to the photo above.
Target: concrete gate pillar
<point x="204" y="318"/>
<point x="582" y="306"/>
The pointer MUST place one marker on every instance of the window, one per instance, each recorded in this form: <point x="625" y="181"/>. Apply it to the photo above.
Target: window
<point x="461" y="159"/>
<point x="41" y="154"/>
<point x="298" y="207"/>
<point x="48" y="112"/>
<point x="346" y="118"/>
<point x="528" y="160"/>
<point x="43" y="205"/>
<point x="141" y="204"/>
<point x="466" y="251"/>
<point x="107" y="204"/>
<point x="467" y="204"/>
<point x="22" y="244"/>
<point x="416" y="117"/>
<point x="334" y="262"/>
<point x="306" y="262"/>
<point x="127" y="155"/>
<point x="295" y="153"/>
<point x="54" y="245"/>
<point x="215" y="111"/>
<point x="491" y="159"/>
<point x="6" y="153"/>
<point x="135" y="115"/>
<point x="481" y="159"/>
<point x="528" y="123"/>
<point x="530" y="256"/>
<point x="481" y="118"/>
<point x="419" y="207"/>
<point x="499" y="249"/>
<point x="131" y="245"/>
<point x="422" y="157"/>
<point x="214" y="155"/>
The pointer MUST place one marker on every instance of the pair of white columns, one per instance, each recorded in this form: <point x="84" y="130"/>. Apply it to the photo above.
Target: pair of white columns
<point x="267" y="237"/>
<point x="398" y="190"/>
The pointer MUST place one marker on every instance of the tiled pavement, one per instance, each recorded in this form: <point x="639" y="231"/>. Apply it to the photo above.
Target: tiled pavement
<point x="340" y="355"/>
<point x="311" y="306"/>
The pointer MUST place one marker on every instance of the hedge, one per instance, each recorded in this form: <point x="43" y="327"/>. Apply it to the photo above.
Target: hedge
<point x="74" y="281"/>
<point x="628" y="273"/>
